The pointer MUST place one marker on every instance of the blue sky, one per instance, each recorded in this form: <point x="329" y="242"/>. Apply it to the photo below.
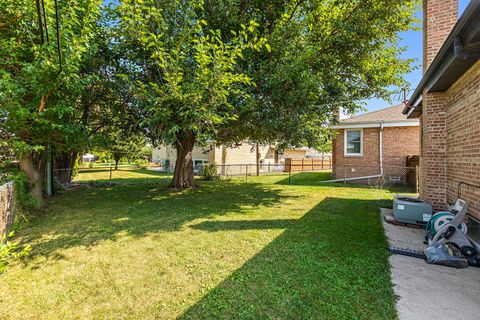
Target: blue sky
<point x="413" y="41"/>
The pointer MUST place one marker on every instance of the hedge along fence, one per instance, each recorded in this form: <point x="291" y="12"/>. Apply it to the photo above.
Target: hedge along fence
<point x="6" y="210"/>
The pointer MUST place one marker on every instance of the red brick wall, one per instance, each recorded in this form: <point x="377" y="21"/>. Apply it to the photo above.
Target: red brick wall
<point x="434" y="151"/>
<point x="398" y="143"/>
<point x="463" y="138"/>
<point x="439" y="17"/>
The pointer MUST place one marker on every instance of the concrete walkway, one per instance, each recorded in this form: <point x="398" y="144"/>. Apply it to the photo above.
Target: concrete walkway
<point x="430" y="291"/>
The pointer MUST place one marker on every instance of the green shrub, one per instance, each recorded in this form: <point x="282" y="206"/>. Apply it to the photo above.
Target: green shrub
<point x="141" y="163"/>
<point x="11" y="251"/>
<point x="25" y="204"/>
<point x="209" y="173"/>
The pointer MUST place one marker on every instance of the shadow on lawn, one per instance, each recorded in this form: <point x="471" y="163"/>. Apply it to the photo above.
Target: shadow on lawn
<point x="88" y="216"/>
<point x="330" y="264"/>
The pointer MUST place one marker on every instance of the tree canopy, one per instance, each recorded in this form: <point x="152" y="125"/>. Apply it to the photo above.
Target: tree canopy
<point x="74" y="75"/>
<point x="265" y="71"/>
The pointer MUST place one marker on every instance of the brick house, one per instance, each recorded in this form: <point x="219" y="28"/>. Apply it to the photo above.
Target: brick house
<point x="447" y="102"/>
<point x="374" y="144"/>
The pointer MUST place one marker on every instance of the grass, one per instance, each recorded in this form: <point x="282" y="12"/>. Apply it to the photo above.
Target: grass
<point x="121" y="176"/>
<point x="229" y="250"/>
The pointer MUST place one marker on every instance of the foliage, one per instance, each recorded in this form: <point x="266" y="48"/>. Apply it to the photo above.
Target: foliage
<point x="11" y="251"/>
<point x="265" y="71"/>
<point x="141" y="163"/>
<point x="25" y="204"/>
<point x="38" y="96"/>
<point x="324" y="55"/>
<point x="67" y="95"/>
<point x="189" y="71"/>
<point x="210" y="172"/>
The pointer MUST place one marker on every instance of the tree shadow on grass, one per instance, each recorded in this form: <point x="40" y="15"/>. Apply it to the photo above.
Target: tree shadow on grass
<point x="330" y="264"/>
<point x="84" y="218"/>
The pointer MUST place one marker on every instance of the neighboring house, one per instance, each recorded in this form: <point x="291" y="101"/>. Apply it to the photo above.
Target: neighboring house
<point x="447" y="102"/>
<point x="222" y="155"/>
<point x="371" y="144"/>
<point x="88" y="157"/>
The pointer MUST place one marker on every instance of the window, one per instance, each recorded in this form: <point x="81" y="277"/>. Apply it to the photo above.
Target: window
<point x="353" y="142"/>
<point x="199" y="162"/>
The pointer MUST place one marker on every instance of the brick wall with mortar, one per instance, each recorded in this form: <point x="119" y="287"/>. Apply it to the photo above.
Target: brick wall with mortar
<point x="439" y="17"/>
<point x="463" y="138"/>
<point x="434" y="151"/>
<point x="398" y="143"/>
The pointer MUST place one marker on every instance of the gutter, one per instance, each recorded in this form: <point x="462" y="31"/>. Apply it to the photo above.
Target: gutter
<point x="450" y="43"/>
<point x="380" y="137"/>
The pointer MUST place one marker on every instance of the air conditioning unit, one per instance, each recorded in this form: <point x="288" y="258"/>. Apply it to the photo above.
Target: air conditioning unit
<point x="411" y="210"/>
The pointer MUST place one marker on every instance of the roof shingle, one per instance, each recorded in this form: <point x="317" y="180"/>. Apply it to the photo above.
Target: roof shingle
<point x="390" y="114"/>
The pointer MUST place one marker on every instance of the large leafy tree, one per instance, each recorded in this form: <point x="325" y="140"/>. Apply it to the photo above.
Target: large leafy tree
<point x="41" y="47"/>
<point x="201" y="80"/>
<point x="187" y="74"/>
<point x="58" y="86"/>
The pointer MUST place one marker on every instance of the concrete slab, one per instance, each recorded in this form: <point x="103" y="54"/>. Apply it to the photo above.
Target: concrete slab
<point x="428" y="291"/>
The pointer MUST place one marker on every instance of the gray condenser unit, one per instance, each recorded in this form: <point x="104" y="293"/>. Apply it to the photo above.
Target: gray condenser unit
<point x="411" y="210"/>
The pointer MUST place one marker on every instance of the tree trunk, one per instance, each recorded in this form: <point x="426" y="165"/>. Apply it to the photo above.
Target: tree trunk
<point x="183" y="174"/>
<point x="117" y="160"/>
<point x="34" y="177"/>
<point x="63" y="164"/>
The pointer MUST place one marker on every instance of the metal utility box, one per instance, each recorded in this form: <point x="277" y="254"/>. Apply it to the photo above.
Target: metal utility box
<point x="411" y="210"/>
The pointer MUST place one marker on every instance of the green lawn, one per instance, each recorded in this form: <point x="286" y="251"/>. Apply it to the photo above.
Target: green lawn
<point x="126" y="175"/>
<point x="229" y="250"/>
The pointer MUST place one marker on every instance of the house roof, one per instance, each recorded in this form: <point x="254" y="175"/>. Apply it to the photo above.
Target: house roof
<point x="391" y="116"/>
<point x="449" y="64"/>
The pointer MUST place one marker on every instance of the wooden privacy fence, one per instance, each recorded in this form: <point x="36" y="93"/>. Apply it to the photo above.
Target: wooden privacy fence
<point x="6" y="209"/>
<point x="308" y="164"/>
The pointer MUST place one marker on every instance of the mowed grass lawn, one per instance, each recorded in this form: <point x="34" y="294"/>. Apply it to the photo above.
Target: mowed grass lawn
<point x="260" y="249"/>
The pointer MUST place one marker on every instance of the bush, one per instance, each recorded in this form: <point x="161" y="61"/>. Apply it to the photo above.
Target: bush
<point x="11" y="251"/>
<point x="209" y="173"/>
<point x="141" y="163"/>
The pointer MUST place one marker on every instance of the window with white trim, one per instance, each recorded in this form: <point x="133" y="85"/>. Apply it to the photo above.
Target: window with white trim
<point x="354" y="142"/>
<point x="197" y="162"/>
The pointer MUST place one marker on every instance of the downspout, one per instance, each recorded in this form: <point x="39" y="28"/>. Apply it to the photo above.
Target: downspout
<point x="380" y="137"/>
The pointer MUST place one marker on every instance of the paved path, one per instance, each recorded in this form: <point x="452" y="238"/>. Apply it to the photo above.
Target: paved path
<point x="430" y="291"/>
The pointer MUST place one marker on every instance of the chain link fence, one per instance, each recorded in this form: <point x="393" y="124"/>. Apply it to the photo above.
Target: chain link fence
<point x="6" y="209"/>
<point x="108" y="175"/>
<point x="378" y="176"/>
